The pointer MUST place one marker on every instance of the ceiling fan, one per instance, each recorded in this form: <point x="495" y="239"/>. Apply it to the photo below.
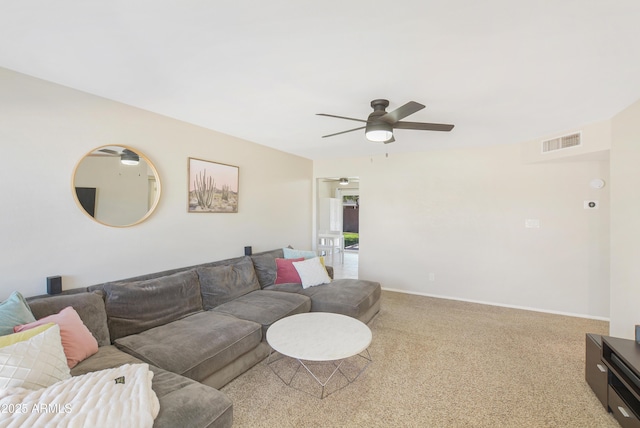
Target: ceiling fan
<point x="380" y="124"/>
<point x="127" y="157"/>
<point x="343" y="181"/>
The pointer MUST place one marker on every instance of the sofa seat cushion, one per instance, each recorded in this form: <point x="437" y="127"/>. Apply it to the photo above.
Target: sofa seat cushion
<point x="352" y="297"/>
<point x="187" y="403"/>
<point x="136" y="306"/>
<point x="195" y="346"/>
<point x="266" y="307"/>
<point x="107" y="357"/>
<point x="183" y="401"/>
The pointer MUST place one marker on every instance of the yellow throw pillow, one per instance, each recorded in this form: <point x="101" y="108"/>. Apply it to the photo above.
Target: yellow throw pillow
<point x="14" y="338"/>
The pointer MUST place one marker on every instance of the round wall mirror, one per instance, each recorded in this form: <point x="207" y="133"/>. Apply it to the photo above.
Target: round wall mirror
<point x="116" y="186"/>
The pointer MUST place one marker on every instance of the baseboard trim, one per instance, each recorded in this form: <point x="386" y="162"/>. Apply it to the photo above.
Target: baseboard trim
<point x="524" y="308"/>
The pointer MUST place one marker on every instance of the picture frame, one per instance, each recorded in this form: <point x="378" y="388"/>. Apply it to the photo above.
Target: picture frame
<point x="212" y="187"/>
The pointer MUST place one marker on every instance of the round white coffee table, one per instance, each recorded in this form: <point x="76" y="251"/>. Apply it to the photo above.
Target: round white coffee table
<point x="320" y="337"/>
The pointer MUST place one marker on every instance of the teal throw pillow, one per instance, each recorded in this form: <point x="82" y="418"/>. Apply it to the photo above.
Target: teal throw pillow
<point x="290" y="253"/>
<point x="14" y="311"/>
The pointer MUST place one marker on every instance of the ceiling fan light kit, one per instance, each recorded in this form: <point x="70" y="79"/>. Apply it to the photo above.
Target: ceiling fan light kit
<point x="380" y="124"/>
<point x="378" y="132"/>
<point x="129" y="158"/>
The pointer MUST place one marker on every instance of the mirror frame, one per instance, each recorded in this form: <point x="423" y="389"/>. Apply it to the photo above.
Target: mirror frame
<point x="149" y="164"/>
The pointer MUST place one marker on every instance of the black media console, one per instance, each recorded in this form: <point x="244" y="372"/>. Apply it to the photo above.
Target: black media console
<point x="613" y="372"/>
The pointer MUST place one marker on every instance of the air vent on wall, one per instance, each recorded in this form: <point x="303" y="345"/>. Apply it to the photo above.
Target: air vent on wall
<point x="560" y="143"/>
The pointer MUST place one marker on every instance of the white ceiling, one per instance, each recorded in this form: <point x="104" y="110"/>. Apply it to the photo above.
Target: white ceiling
<point x="502" y="71"/>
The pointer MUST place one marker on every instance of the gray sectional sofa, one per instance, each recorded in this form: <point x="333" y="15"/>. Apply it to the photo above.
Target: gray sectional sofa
<point x="199" y="327"/>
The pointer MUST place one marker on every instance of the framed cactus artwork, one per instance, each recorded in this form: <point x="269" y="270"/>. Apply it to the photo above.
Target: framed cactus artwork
<point x="213" y="187"/>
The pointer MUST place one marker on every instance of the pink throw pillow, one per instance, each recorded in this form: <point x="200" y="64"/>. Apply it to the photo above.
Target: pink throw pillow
<point x="286" y="272"/>
<point x="77" y="341"/>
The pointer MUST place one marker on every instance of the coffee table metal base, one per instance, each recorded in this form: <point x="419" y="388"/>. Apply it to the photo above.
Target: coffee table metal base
<point x="316" y="377"/>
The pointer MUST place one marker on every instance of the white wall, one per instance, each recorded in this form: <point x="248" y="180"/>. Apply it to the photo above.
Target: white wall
<point x="46" y="128"/>
<point x="625" y="222"/>
<point x="460" y="215"/>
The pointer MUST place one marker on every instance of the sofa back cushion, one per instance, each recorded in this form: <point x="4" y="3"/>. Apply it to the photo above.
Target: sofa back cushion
<point x="136" y="306"/>
<point x="221" y="284"/>
<point x="265" y="266"/>
<point x="89" y="306"/>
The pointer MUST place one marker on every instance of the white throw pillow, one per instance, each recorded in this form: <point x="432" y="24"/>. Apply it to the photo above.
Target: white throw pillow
<point x="35" y="363"/>
<point x="312" y="272"/>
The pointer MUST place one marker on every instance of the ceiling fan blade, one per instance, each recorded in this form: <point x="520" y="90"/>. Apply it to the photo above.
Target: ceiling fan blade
<point x="341" y="117"/>
<point x="420" y="126"/>
<point x="402" y="112"/>
<point x="109" y="151"/>
<point x="344" y="132"/>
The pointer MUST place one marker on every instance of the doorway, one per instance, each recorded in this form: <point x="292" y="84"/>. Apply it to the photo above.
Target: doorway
<point x="338" y="211"/>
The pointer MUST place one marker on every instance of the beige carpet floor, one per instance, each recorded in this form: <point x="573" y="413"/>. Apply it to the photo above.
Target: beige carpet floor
<point x="443" y="363"/>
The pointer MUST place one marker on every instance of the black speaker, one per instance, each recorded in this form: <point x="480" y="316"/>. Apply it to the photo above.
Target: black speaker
<point x="247" y="251"/>
<point x="54" y="284"/>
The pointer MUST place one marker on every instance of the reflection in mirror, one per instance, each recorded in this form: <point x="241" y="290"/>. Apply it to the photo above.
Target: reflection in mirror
<point x="116" y="186"/>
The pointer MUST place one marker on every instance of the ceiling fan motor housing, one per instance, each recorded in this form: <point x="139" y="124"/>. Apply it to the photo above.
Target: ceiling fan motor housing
<point x="375" y="124"/>
<point x="379" y="104"/>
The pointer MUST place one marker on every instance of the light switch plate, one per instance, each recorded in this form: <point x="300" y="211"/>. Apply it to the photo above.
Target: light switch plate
<point x="532" y="223"/>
